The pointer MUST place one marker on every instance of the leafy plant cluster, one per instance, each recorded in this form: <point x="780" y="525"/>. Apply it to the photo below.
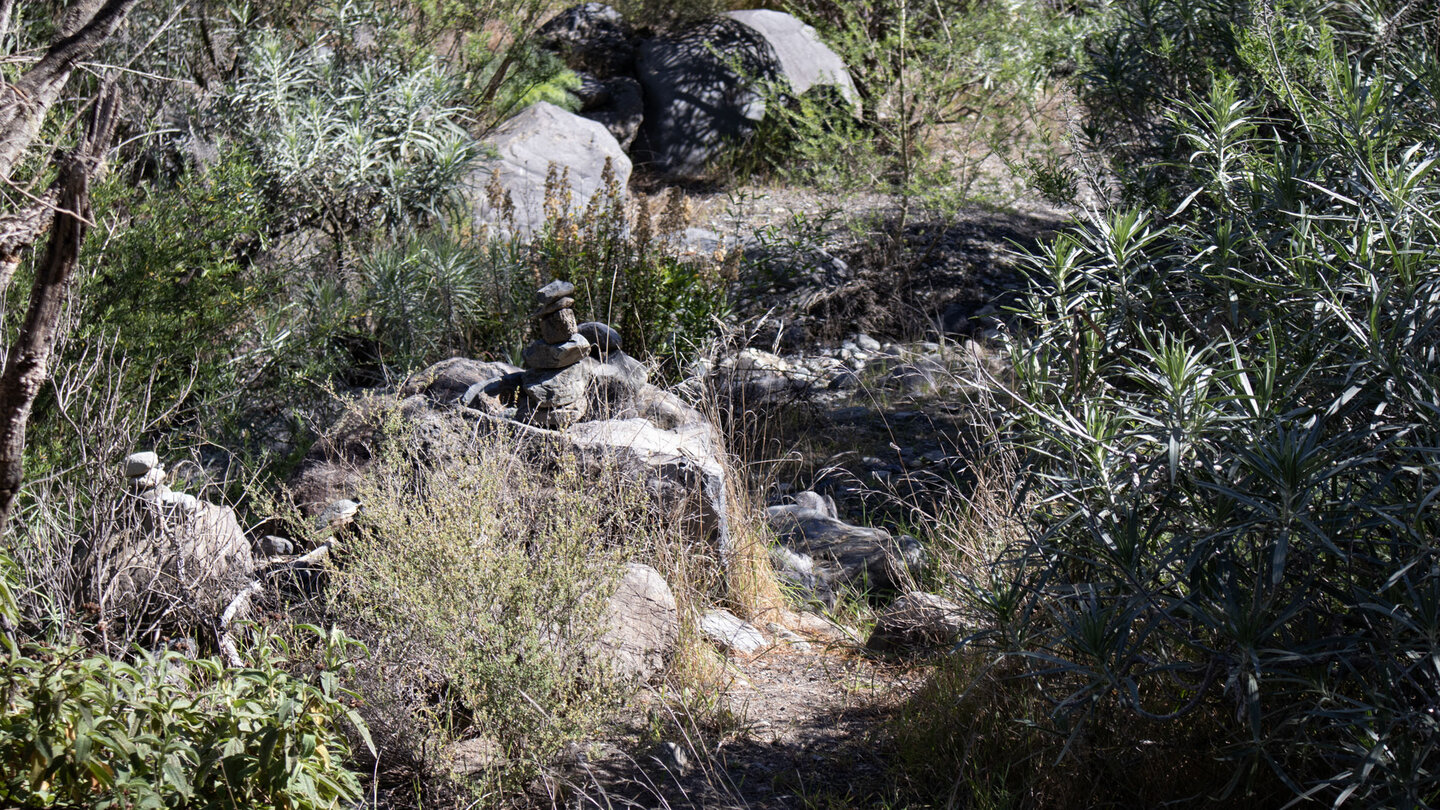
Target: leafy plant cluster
<point x="479" y="578"/>
<point x="631" y="269"/>
<point x="942" y="88"/>
<point x="438" y="294"/>
<point x="166" y="730"/>
<point x="1226" y="407"/>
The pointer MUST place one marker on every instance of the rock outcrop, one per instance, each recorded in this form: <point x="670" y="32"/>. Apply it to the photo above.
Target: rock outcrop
<point x="508" y="193"/>
<point x="183" y="552"/>
<point x="700" y="94"/>
<point x="805" y="61"/>
<point x="822" y="554"/>
<point x="642" y="624"/>
<point x="681" y="468"/>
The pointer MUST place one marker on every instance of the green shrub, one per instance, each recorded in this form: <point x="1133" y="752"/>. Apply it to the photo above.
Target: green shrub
<point x="478" y="578"/>
<point x="943" y="87"/>
<point x="440" y="294"/>
<point x="174" y="286"/>
<point x="1226" y="408"/>
<point x="633" y="276"/>
<point x="78" y="730"/>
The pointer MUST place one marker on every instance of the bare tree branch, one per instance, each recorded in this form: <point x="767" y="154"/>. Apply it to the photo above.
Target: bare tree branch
<point x="27" y="361"/>
<point x="7" y="8"/>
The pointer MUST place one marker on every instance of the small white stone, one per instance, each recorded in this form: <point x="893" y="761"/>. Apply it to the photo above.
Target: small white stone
<point x="181" y="501"/>
<point x="756" y="360"/>
<point x="155" y="494"/>
<point x="866" y="343"/>
<point x="732" y="633"/>
<point x="789" y="637"/>
<point x="137" y="464"/>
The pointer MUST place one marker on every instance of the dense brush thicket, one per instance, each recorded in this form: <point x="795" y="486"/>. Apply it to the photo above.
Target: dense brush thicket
<point x="1226" y="402"/>
<point x="1221" y="582"/>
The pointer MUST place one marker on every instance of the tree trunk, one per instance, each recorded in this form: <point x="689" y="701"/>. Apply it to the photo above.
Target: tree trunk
<point x="27" y="361"/>
<point x="23" y="105"/>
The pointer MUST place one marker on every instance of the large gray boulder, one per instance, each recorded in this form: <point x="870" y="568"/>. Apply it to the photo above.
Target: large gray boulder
<point x="805" y="61"/>
<point x="696" y="101"/>
<point x="184" y="553"/>
<point x="681" y="468"/>
<point x="703" y="85"/>
<point x="591" y="38"/>
<point x="641" y="624"/>
<point x="527" y="146"/>
<point x="617" y="103"/>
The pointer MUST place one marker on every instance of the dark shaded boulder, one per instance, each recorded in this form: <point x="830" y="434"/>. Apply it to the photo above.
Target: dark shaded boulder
<point x="591" y="38"/>
<point x="824" y="553"/>
<point x="617" y="103"/>
<point x="603" y="339"/>
<point x="700" y="94"/>
<point x="918" y="621"/>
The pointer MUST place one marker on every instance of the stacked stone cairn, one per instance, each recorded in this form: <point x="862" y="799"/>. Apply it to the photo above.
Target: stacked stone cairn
<point x="555" y="381"/>
<point x="146" y="476"/>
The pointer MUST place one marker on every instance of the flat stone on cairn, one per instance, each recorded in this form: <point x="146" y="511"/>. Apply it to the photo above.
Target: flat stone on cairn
<point x="138" y="464"/>
<point x="554" y="384"/>
<point x="552" y="292"/>
<point x="541" y="354"/>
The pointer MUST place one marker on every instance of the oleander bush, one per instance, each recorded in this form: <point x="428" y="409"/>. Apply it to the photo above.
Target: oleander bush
<point x="1225" y="412"/>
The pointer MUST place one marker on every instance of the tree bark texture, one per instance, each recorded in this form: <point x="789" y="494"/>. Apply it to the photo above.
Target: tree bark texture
<point x="27" y="360"/>
<point x="23" y="105"/>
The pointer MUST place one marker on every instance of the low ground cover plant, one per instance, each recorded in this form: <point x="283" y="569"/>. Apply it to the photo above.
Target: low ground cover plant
<point x="169" y="730"/>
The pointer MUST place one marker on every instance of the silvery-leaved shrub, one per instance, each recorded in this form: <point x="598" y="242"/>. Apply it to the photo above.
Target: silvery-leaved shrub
<point x="351" y="142"/>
